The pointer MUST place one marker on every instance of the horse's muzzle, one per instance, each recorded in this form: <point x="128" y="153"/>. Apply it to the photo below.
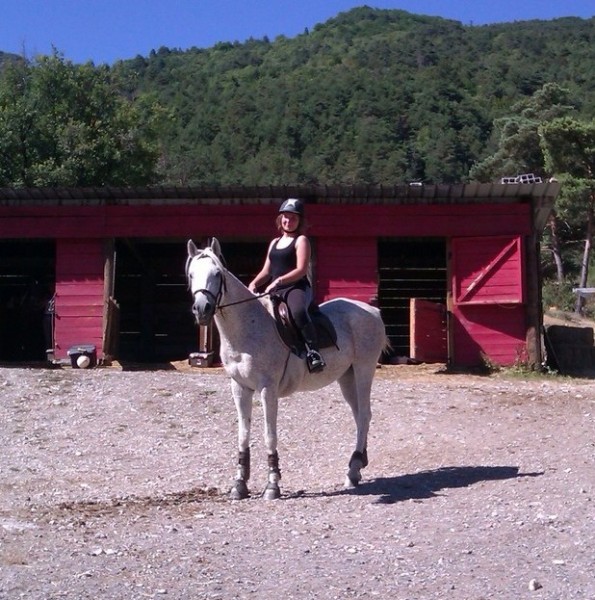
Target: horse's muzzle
<point x="203" y="310"/>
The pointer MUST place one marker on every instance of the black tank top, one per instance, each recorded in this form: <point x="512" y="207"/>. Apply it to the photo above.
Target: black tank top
<point x="284" y="260"/>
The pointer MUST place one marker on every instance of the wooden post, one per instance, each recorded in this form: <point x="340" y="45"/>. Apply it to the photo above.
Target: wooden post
<point x="110" y="320"/>
<point x="534" y="311"/>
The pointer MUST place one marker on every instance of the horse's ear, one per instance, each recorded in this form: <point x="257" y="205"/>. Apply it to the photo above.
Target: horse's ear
<point x="192" y="249"/>
<point x="216" y="247"/>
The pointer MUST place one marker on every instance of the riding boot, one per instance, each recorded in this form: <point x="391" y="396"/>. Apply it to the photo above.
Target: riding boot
<point x="314" y="360"/>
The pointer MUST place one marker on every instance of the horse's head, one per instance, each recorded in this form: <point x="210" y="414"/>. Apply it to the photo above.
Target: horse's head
<point x="205" y="274"/>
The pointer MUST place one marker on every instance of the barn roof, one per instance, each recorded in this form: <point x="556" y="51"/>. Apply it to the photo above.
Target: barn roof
<point x="541" y="194"/>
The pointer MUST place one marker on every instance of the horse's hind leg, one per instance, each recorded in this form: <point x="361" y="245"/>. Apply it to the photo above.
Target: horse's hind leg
<point x="243" y="400"/>
<point x="356" y="386"/>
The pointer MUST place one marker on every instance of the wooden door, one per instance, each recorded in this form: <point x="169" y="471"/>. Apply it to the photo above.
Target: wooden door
<point x="428" y="338"/>
<point x="488" y="312"/>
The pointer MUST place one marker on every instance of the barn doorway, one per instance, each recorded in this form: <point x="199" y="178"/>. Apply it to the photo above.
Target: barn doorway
<point x="409" y="268"/>
<point x="27" y="283"/>
<point x="155" y="321"/>
<point x="155" y="324"/>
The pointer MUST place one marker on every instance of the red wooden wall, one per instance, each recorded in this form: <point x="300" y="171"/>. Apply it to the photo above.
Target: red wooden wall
<point x="346" y="267"/>
<point x="79" y="294"/>
<point x="257" y="220"/>
<point x="495" y="332"/>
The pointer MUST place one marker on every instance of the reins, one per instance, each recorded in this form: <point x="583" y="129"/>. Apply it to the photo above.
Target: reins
<point x="244" y="300"/>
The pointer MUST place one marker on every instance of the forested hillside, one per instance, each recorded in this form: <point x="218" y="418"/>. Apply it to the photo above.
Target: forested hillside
<point x="371" y="96"/>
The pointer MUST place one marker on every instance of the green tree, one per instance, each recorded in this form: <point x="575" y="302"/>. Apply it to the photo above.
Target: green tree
<point x="519" y="151"/>
<point x="569" y="150"/>
<point x="518" y="142"/>
<point x="68" y="125"/>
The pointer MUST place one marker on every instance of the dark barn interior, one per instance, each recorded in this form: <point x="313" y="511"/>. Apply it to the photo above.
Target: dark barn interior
<point x="414" y="268"/>
<point x="156" y="323"/>
<point x="27" y="280"/>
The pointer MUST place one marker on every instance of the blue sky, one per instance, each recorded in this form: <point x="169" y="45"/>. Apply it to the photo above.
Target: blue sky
<point x="104" y="31"/>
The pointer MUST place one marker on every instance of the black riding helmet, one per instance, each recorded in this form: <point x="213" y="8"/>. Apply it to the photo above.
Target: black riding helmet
<point x="292" y="205"/>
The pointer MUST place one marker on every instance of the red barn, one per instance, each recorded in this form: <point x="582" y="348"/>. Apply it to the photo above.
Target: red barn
<point x="454" y="268"/>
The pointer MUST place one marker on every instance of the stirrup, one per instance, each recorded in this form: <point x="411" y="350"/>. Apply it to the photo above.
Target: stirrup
<point x="314" y="361"/>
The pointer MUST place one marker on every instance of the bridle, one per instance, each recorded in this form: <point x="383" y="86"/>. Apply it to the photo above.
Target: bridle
<point x="216" y="298"/>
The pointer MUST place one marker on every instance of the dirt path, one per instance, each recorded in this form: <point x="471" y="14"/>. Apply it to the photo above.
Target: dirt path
<point x="112" y="485"/>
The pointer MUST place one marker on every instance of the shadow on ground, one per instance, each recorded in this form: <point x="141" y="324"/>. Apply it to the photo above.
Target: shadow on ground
<point x="386" y="490"/>
<point x="428" y="484"/>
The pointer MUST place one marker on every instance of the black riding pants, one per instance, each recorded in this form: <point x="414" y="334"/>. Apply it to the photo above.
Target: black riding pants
<point x="298" y="300"/>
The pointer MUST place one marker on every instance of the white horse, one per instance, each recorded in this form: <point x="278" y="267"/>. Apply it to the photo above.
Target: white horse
<point x="257" y="360"/>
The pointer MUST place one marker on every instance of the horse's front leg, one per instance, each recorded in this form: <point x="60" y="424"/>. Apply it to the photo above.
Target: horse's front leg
<point x="243" y="400"/>
<point x="270" y="403"/>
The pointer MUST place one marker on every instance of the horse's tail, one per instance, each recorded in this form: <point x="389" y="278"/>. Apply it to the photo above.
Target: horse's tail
<point x="387" y="346"/>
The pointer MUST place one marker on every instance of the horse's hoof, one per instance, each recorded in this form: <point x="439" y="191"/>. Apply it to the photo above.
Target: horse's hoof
<point x="239" y="491"/>
<point x="352" y="481"/>
<point x="272" y="492"/>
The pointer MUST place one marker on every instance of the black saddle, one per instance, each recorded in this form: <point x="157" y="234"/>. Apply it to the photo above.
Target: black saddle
<point x="326" y="335"/>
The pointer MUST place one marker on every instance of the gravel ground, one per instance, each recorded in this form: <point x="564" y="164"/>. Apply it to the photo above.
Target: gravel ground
<point x="114" y="485"/>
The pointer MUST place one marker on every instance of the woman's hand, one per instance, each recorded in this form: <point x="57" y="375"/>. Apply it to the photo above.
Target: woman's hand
<point x="274" y="285"/>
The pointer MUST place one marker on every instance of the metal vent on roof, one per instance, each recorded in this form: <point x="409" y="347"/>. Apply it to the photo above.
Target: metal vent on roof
<point x="525" y="178"/>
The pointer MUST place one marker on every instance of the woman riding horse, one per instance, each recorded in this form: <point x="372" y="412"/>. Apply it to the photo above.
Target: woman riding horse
<point x="259" y="362"/>
<point x="286" y="270"/>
